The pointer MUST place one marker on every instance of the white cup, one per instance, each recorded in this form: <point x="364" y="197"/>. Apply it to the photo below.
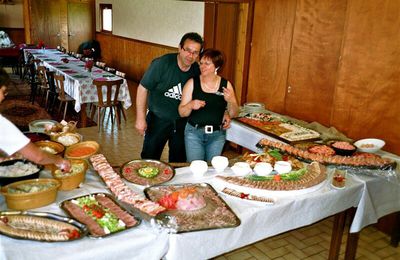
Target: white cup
<point x="198" y="168"/>
<point x="241" y="168"/>
<point x="219" y="163"/>
<point x="263" y="168"/>
<point x="282" y="167"/>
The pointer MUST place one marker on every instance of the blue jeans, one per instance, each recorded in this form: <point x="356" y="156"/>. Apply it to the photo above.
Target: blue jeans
<point x="202" y="146"/>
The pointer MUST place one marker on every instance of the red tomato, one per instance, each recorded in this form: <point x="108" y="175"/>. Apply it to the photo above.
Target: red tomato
<point x="277" y="177"/>
<point x="167" y="202"/>
<point x="74" y="234"/>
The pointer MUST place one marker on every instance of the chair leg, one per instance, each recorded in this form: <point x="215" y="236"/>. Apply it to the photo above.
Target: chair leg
<point x="65" y="110"/>
<point x="118" y="119"/>
<point x="121" y="109"/>
<point x="98" y="119"/>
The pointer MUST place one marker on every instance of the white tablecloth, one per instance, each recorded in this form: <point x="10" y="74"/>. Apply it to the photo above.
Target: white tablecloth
<point x="141" y="242"/>
<point x="78" y="81"/>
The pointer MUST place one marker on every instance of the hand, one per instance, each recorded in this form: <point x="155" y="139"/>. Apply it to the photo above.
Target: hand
<point x="197" y="104"/>
<point x="229" y="95"/>
<point x="141" y="126"/>
<point x="64" y="165"/>
<point x="226" y="121"/>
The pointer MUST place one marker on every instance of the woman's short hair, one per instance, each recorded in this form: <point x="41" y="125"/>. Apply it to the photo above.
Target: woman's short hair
<point x="4" y="77"/>
<point x="215" y="56"/>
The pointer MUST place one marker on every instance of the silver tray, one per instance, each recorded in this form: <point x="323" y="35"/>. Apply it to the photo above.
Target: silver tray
<point x="62" y="206"/>
<point x="215" y="215"/>
<point x="129" y="171"/>
<point x="81" y="227"/>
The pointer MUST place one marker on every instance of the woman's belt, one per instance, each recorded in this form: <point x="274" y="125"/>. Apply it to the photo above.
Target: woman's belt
<point x="208" y="129"/>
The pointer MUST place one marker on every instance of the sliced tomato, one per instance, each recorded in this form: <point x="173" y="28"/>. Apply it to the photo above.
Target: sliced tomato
<point x="167" y="202"/>
<point x="74" y="234"/>
<point x="277" y="177"/>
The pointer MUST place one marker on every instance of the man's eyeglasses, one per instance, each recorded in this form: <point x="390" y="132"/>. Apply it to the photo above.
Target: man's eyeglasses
<point x="194" y="53"/>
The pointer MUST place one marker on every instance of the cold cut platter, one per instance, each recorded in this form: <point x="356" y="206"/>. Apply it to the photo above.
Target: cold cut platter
<point x="191" y="207"/>
<point x="40" y="226"/>
<point x="100" y="213"/>
<point x="278" y="127"/>
<point x="147" y="172"/>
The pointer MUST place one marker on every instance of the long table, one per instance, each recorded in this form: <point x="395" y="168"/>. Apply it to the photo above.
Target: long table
<point x="78" y="81"/>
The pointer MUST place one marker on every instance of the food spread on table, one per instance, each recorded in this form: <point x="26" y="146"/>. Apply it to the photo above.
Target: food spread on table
<point x="192" y="207"/>
<point x="147" y="172"/>
<point x="18" y="169"/>
<point x="279" y="127"/>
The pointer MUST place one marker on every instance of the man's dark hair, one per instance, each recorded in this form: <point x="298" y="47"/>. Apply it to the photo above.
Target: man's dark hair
<point x="192" y="36"/>
<point x="4" y="78"/>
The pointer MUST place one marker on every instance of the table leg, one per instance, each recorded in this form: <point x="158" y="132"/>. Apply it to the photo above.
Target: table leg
<point x="83" y="115"/>
<point x="337" y="234"/>
<point x="352" y="238"/>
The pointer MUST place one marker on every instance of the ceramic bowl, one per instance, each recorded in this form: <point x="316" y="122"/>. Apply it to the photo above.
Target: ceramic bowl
<point x="241" y="168"/>
<point x="198" y="168"/>
<point x="219" y="163"/>
<point x="282" y="167"/>
<point x="40" y="125"/>
<point x="369" y="145"/>
<point x="67" y="139"/>
<point x="20" y="166"/>
<point x="32" y="199"/>
<point x="73" y="179"/>
<point x="263" y="168"/>
<point x="36" y="136"/>
<point x="82" y="150"/>
<point x="343" y="148"/>
<point x="51" y="147"/>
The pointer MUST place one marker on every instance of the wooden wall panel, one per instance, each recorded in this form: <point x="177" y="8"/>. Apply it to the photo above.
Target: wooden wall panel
<point x="368" y="87"/>
<point x="130" y="56"/>
<point x="317" y="38"/>
<point x="17" y="35"/>
<point x="270" y="53"/>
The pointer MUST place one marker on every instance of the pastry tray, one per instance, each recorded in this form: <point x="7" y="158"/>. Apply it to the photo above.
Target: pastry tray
<point x="63" y="207"/>
<point x="215" y="215"/>
<point x="44" y="215"/>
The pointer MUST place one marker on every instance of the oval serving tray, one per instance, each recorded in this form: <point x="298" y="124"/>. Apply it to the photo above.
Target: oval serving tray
<point x="39" y="218"/>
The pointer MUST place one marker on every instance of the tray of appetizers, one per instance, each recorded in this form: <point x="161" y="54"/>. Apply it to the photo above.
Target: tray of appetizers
<point x="101" y="214"/>
<point x="191" y="207"/>
<point x="147" y="172"/>
<point x="40" y="226"/>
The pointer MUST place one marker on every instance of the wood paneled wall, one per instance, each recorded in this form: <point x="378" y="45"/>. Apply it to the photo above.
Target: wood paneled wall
<point x="130" y="56"/>
<point x="335" y="61"/>
<point x="17" y="35"/>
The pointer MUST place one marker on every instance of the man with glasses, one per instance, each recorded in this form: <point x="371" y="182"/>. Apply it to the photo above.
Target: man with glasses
<point x="159" y="94"/>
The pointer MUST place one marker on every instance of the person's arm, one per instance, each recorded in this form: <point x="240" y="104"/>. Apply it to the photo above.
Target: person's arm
<point x="187" y="104"/>
<point x="141" y="108"/>
<point x="36" y="155"/>
<point x="230" y="98"/>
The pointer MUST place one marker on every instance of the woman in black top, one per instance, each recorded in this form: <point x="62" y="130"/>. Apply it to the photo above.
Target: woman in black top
<point x="205" y="99"/>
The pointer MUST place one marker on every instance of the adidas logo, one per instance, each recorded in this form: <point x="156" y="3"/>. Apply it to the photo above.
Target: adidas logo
<point x="175" y="92"/>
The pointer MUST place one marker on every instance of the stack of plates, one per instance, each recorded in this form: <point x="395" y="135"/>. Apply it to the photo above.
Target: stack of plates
<point x="253" y="107"/>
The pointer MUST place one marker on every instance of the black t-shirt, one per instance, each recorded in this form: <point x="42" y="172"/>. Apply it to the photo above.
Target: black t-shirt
<point x="213" y="112"/>
<point x="165" y="81"/>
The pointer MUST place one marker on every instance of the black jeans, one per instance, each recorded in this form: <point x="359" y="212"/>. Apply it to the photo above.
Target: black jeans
<point x="158" y="132"/>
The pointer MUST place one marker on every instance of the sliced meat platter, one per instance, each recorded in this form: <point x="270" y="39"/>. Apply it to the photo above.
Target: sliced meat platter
<point x="40" y="226"/>
<point x="100" y="213"/>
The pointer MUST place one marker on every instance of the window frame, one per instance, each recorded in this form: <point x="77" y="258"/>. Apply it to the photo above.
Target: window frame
<point x="102" y="8"/>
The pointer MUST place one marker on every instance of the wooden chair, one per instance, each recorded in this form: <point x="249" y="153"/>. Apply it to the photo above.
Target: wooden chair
<point x="42" y="82"/>
<point x="111" y="101"/>
<point x="120" y="108"/>
<point x="62" y="96"/>
<point x="51" y="93"/>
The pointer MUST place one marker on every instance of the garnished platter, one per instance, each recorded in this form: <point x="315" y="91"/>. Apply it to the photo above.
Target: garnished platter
<point x="101" y="214"/>
<point x="40" y="226"/>
<point x="147" y="172"/>
<point x="191" y="207"/>
<point x="278" y="127"/>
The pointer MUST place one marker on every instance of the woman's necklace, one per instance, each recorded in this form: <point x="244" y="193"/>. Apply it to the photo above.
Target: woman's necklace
<point x="210" y="86"/>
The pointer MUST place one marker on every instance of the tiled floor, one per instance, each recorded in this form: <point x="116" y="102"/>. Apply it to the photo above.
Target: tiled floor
<point x="311" y="242"/>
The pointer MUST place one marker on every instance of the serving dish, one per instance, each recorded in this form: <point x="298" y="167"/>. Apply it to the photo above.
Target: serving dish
<point x="210" y="210"/>
<point x="147" y="172"/>
<point x="74" y="178"/>
<point x="342" y="147"/>
<point x="36" y="136"/>
<point x="67" y="139"/>
<point x="51" y="147"/>
<point x="369" y="145"/>
<point x="30" y="194"/>
<point x="24" y="170"/>
<point x="100" y="213"/>
<point x="82" y="150"/>
<point x="40" y="125"/>
<point x="40" y="226"/>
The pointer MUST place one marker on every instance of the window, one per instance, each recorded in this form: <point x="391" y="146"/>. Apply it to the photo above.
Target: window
<point x="106" y="17"/>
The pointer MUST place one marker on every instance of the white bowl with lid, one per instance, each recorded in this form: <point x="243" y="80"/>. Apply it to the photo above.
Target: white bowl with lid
<point x="198" y="168"/>
<point x="263" y="168"/>
<point x="219" y="163"/>
<point x="241" y="168"/>
<point x="282" y="167"/>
